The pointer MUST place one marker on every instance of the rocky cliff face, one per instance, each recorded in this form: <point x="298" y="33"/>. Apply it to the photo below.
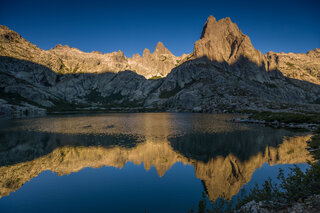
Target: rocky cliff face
<point x="224" y="72"/>
<point x="300" y="66"/>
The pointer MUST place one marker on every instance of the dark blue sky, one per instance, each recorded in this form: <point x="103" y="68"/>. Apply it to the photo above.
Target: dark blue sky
<point x="131" y="26"/>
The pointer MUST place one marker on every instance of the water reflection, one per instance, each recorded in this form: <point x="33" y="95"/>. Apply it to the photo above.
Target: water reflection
<point x="224" y="155"/>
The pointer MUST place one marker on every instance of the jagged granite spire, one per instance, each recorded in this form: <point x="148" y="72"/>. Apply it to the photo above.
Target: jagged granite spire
<point x="161" y="49"/>
<point x="222" y="41"/>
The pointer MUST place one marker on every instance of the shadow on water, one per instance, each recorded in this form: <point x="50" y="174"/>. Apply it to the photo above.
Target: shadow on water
<point x="25" y="146"/>
<point x="242" y="144"/>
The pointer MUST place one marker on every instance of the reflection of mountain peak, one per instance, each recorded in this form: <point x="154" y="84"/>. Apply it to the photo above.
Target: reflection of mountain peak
<point x="221" y="175"/>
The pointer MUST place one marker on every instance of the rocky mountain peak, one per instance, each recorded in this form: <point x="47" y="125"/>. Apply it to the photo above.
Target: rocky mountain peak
<point x="223" y="26"/>
<point x="222" y="42"/>
<point x="146" y="52"/>
<point x="120" y="53"/>
<point x="210" y="22"/>
<point x="2" y="27"/>
<point x="60" y="46"/>
<point x="8" y="35"/>
<point x="136" y="56"/>
<point x="234" y="78"/>
<point x="161" y="49"/>
<point x="314" y="53"/>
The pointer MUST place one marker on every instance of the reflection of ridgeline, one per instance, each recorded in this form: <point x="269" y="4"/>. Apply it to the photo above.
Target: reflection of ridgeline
<point x="221" y="172"/>
<point x="68" y="159"/>
<point x="225" y="162"/>
<point x="25" y="146"/>
<point x="225" y="176"/>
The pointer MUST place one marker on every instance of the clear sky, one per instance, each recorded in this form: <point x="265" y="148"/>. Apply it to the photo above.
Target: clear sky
<point x="131" y="26"/>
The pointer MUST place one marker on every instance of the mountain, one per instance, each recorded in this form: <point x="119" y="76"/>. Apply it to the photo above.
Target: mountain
<point x="67" y="60"/>
<point x="222" y="42"/>
<point x="223" y="73"/>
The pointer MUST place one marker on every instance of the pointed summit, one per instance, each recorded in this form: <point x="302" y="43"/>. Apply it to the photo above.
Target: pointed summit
<point x="223" y="26"/>
<point x="161" y="49"/>
<point x="160" y="46"/>
<point x="146" y="53"/>
<point x="210" y="21"/>
<point x="222" y="41"/>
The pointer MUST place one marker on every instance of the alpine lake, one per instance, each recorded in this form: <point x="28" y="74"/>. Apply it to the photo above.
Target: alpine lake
<point x="137" y="162"/>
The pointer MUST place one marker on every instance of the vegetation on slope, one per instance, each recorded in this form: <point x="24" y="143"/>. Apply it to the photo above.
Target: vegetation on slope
<point x="155" y="77"/>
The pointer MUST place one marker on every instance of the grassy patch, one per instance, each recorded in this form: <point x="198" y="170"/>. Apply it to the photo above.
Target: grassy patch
<point x="112" y="100"/>
<point x="289" y="64"/>
<point x="163" y="58"/>
<point x="60" y="106"/>
<point x="170" y="93"/>
<point x="155" y="77"/>
<point x="270" y="85"/>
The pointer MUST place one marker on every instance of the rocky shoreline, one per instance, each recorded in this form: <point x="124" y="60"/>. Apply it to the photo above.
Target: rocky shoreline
<point x="310" y="205"/>
<point x="277" y="124"/>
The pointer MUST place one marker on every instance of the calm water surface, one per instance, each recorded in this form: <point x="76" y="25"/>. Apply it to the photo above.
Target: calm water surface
<point x="159" y="162"/>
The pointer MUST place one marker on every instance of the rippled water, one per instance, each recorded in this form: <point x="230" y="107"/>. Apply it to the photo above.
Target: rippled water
<point x="159" y="162"/>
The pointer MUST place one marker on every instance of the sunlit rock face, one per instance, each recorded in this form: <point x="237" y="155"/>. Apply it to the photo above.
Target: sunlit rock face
<point x="222" y="41"/>
<point x="224" y="155"/>
<point x="159" y="63"/>
<point x="69" y="60"/>
<point x="224" y="73"/>
<point x="13" y="45"/>
<point x="300" y="66"/>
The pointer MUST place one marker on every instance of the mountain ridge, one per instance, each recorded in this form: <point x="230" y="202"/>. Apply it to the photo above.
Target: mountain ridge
<point x="224" y="73"/>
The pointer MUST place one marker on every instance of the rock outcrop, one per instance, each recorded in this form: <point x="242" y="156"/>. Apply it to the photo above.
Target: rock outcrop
<point x="224" y="73"/>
